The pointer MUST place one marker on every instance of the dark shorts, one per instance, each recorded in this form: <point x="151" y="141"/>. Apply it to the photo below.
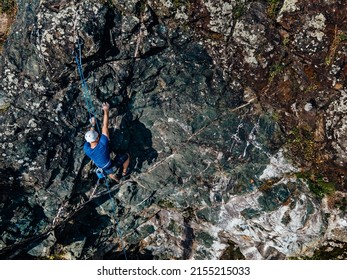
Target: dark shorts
<point x="120" y="159"/>
<point x="116" y="163"/>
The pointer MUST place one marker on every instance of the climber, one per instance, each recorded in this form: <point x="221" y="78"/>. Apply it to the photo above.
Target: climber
<point x="97" y="149"/>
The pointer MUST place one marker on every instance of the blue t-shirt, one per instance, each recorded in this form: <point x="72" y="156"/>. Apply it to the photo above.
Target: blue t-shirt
<point x="100" y="154"/>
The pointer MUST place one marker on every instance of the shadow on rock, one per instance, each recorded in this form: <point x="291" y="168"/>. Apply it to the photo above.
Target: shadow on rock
<point x="82" y="231"/>
<point x="22" y="221"/>
<point x="134" y="138"/>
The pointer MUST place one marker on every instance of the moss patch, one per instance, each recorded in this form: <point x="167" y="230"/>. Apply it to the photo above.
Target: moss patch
<point x="273" y="8"/>
<point x="301" y="144"/>
<point x="317" y="184"/>
<point x="166" y="204"/>
<point x="174" y="228"/>
<point x="275" y="70"/>
<point x="179" y="3"/>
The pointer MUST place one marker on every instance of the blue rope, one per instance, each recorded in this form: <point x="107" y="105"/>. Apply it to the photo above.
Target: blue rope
<point x="86" y="93"/>
<point x="91" y="112"/>
<point x="119" y="232"/>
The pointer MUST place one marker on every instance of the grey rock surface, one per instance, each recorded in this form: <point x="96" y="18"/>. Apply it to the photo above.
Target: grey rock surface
<point x="209" y="97"/>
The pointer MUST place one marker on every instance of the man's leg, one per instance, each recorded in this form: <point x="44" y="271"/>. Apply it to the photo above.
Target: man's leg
<point x="126" y="165"/>
<point x="122" y="162"/>
<point x="111" y="173"/>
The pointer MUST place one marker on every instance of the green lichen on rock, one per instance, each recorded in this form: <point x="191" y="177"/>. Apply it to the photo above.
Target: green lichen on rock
<point x="317" y="184"/>
<point x="276" y="69"/>
<point x="174" y="228"/>
<point x="4" y="107"/>
<point x="180" y="3"/>
<point x="274" y="7"/>
<point x="301" y="144"/>
<point x="166" y="204"/>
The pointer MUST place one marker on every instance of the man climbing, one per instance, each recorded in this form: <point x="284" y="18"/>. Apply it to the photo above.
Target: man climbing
<point x="97" y="149"/>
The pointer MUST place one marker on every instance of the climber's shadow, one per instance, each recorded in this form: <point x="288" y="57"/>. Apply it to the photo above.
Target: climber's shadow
<point x="134" y="138"/>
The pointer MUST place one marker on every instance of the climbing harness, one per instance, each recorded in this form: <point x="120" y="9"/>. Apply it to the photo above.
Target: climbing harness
<point x="100" y="173"/>
<point x="91" y="111"/>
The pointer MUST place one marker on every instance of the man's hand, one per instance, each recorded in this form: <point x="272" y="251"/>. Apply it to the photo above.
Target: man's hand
<point x="105" y="106"/>
<point x="92" y="121"/>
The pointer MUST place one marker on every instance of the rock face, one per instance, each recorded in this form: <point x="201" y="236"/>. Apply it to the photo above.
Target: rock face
<point x="233" y="112"/>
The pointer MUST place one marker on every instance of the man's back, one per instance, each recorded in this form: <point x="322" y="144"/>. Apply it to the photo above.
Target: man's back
<point x="100" y="154"/>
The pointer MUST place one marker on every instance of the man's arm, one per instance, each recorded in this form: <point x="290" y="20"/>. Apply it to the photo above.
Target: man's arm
<point x="105" y="107"/>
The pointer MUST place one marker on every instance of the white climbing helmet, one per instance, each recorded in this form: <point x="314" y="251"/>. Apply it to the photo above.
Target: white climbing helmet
<point x="91" y="136"/>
